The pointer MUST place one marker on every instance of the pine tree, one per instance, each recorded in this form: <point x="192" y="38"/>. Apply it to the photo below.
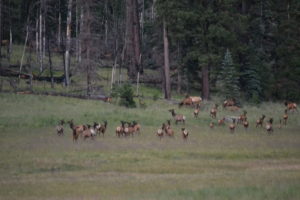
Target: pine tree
<point x="251" y="77"/>
<point x="229" y="80"/>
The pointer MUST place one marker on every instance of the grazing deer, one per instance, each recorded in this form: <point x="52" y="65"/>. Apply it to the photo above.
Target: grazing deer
<point x="103" y="127"/>
<point x="212" y="125"/>
<point x="232" y="126"/>
<point x="285" y="117"/>
<point x="160" y="131"/>
<point x="196" y="111"/>
<point x="229" y="102"/>
<point x="60" y="128"/>
<point x="89" y="132"/>
<point x="137" y="127"/>
<point x="184" y="133"/>
<point x="243" y="117"/>
<point x="168" y="130"/>
<point x="246" y="124"/>
<point x="187" y="101"/>
<point x="190" y="101"/>
<point x="213" y="111"/>
<point x="269" y="127"/>
<point x="291" y="106"/>
<point x="177" y="117"/>
<point x="120" y="129"/>
<point x="221" y="121"/>
<point x="260" y="121"/>
<point x="233" y="108"/>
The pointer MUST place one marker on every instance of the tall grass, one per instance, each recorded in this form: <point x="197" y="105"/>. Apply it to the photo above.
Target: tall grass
<point x="213" y="164"/>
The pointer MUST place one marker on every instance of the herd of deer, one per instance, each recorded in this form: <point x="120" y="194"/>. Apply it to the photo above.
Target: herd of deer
<point x="131" y="128"/>
<point x="85" y="131"/>
<point x="242" y="119"/>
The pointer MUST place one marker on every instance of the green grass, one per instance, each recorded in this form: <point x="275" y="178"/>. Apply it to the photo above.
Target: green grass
<point x="213" y="164"/>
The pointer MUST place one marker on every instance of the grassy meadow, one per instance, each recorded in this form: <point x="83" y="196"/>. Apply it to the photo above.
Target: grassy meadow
<point x="35" y="163"/>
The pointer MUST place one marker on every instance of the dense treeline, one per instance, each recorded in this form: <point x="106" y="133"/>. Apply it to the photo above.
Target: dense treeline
<point x="246" y="49"/>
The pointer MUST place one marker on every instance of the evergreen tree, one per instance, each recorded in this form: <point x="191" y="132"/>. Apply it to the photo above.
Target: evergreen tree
<point x="229" y="80"/>
<point x="251" y="79"/>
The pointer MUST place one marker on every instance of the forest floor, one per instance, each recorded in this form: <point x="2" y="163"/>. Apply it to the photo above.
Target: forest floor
<point x="35" y="163"/>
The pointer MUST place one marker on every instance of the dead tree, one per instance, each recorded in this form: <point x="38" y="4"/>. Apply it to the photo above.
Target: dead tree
<point x="167" y="86"/>
<point x="68" y="44"/>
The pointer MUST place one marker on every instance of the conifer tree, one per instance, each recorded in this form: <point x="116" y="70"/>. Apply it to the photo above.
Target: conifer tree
<point x="229" y="80"/>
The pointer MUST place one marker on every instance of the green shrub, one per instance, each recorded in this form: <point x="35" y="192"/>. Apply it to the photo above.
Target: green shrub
<point x="125" y="93"/>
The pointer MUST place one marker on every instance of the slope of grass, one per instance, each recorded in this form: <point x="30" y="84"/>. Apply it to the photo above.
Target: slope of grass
<point x="213" y="164"/>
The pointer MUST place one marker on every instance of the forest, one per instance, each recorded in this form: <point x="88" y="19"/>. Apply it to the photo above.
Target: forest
<point x="242" y="49"/>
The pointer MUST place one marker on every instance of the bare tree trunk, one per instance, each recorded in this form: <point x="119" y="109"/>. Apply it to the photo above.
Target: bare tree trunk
<point x="205" y="82"/>
<point x="29" y="61"/>
<point x="0" y="33"/>
<point x="37" y="38"/>
<point x="178" y="69"/>
<point x="10" y="43"/>
<point x="44" y="37"/>
<point x="136" y="37"/>
<point x="81" y="28"/>
<point x="21" y="63"/>
<point x="129" y="39"/>
<point x="41" y="37"/>
<point x="166" y="62"/>
<point x="88" y="48"/>
<point x="59" y="27"/>
<point x="50" y="61"/>
<point x="153" y="10"/>
<point x="68" y="44"/>
<point x="10" y="34"/>
<point x="77" y="32"/>
<point x="106" y="26"/>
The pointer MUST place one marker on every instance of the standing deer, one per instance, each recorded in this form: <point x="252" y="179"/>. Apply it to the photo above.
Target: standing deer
<point x="269" y="127"/>
<point x="285" y="117"/>
<point x="213" y="111"/>
<point x="260" y="121"/>
<point x="177" y="117"/>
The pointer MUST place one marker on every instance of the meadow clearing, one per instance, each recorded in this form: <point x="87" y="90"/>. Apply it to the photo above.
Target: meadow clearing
<point x="212" y="164"/>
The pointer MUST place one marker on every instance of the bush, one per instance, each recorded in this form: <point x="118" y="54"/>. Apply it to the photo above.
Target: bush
<point x="125" y="92"/>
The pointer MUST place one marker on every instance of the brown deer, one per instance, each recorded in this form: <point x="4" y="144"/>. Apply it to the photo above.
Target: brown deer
<point x="246" y="124"/>
<point x="269" y="127"/>
<point x="243" y="117"/>
<point x="232" y="126"/>
<point x="196" y="111"/>
<point x="184" y="133"/>
<point x="229" y="102"/>
<point x="177" y="117"/>
<point x="213" y="111"/>
<point x="120" y="129"/>
<point x="212" y="125"/>
<point x="260" y="121"/>
<point x="285" y="117"/>
<point x="168" y="130"/>
<point x="233" y="108"/>
<point x="221" y="121"/>
<point x="160" y="131"/>
<point x="291" y="106"/>
<point x="187" y="101"/>
<point x="60" y="128"/>
<point x="103" y="127"/>
<point x="137" y="127"/>
<point x="89" y="132"/>
<point x="77" y="130"/>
